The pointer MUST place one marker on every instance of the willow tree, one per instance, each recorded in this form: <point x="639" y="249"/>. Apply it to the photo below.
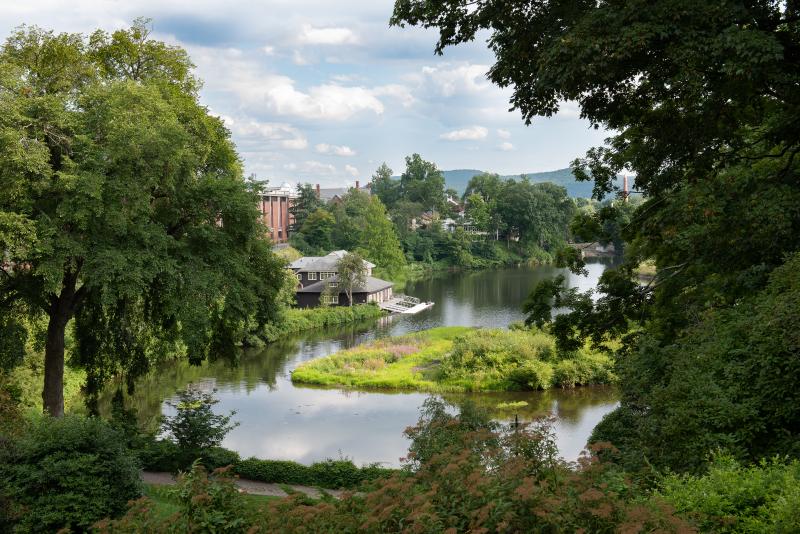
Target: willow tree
<point x="138" y="222"/>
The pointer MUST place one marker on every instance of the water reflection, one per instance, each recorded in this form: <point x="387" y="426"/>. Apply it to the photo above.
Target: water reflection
<point x="282" y="421"/>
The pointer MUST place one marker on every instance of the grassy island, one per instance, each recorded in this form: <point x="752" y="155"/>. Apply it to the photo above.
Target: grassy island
<point x="459" y="359"/>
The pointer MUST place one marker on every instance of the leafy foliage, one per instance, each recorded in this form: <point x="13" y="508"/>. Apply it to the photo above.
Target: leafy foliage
<point x="351" y="274"/>
<point x="139" y="223"/>
<point x="195" y="426"/>
<point x="735" y="498"/>
<point x="303" y="206"/>
<point x="459" y="359"/>
<point x="701" y="99"/>
<point x="67" y="473"/>
<point x="727" y="382"/>
<point x="330" y="474"/>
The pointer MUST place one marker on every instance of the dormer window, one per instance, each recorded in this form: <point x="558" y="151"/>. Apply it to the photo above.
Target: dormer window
<point x="312" y="276"/>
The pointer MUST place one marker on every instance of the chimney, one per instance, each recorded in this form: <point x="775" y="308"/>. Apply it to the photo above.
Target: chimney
<point x="356" y="184"/>
<point x="625" y="187"/>
<point x="317" y="190"/>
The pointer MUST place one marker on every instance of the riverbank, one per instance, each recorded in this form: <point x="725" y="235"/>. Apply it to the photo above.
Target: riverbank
<point x="299" y="320"/>
<point x="459" y="359"/>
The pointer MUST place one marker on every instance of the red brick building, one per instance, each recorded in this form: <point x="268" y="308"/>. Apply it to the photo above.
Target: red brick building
<point x="274" y="206"/>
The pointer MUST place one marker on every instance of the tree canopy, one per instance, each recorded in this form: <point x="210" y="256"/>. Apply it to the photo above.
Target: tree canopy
<point x="129" y="198"/>
<point x="702" y="104"/>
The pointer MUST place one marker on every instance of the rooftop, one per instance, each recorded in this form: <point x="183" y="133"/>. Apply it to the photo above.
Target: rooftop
<point x="372" y="285"/>
<point x="322" y="263"/>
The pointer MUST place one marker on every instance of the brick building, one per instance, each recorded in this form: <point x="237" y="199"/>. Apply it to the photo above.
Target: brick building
<point x="274" y="207"/>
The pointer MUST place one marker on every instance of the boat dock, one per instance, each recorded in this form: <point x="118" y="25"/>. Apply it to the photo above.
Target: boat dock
<point x="404" y="304"/>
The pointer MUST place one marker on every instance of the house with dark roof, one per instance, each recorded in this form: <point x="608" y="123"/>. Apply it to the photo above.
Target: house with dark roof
<point x="315" y="273"/>
<point x="373" y="290"/>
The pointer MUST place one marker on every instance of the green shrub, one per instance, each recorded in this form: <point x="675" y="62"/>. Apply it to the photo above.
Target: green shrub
<point x="728" y="382"/>
<point x="531" y="375"/>
<point x="329" y="473"/>
<point x="67" y="472"/>
<point x="165" y="455"/>
<point x="206" y="503"/>
<point x="299" y="320"/>
<point x="195" y="426"/>
<point x="274" y="471"/>
<point x="584" y="370"/>
<point x="734" y="498"/>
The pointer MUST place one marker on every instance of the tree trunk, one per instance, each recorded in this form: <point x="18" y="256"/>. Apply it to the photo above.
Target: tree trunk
<point x="53" y="392"/>
<point x="61" y="310"/>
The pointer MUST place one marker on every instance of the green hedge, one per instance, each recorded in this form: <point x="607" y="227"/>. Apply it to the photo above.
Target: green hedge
<point x="326" y="474"/>
<point x="164" y="455"/>
<point x="299" y="320"/>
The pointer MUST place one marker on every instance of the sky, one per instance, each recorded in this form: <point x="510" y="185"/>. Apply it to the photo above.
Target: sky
<point x="323" y="92"/>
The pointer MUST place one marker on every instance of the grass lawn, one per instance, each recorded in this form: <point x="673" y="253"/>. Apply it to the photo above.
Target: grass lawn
<point x="458" y="359"/>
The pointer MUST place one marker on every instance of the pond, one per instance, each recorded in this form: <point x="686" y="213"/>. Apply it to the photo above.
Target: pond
<point x="279" y="420"/>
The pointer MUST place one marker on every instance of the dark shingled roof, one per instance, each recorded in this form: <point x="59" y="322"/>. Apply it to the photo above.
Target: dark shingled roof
<point x="372" y="285"/>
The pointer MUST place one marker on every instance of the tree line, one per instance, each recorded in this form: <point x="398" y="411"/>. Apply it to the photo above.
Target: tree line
<point x="494" y="221"/>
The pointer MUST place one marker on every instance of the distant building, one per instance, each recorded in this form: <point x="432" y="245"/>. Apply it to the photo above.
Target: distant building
<point x="274" y="206"/>
<point x="315" y="273"/>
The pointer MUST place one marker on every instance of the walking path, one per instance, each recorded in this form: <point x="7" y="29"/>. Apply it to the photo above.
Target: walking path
<point x="253" y="487"/>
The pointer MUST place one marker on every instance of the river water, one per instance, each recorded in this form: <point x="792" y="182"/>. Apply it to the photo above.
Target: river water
<point x="280" y="420"/>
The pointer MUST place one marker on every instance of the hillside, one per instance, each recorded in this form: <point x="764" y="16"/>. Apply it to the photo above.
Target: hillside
<point x="458" y="179"/>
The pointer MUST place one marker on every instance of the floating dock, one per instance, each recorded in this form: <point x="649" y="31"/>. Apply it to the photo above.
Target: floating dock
<point x="404" y="304"/>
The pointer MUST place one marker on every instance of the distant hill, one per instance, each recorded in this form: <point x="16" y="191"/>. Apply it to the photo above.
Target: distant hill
<point x="459" y="178"/>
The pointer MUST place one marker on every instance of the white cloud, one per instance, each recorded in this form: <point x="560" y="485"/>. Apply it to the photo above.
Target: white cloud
<point x="352" y="171"/>
<point x="327" y="36"/>
<point x="290" y="166"/>
<point x="448" y="81"/>
<point x="268" y="50"/>
<point x="294" y="144"/>
<point x="316" y="167"/>
<point x="299" y="59"/>
<point x="503" y="134"/>
<point x="397" y="91"/>
<point x="473" y="133"/>
<point x="252" y="132"/>
<point x="336" y="150"/>
<point x="255" y="89"/>
<point x="505" y="146"/>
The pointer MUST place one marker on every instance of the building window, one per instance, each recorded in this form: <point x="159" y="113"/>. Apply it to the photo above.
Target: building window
<point x="326" y="275"/>
<point x="312" y="276"/>
<point x="334" y="284"/>
<point x="329" y="299"/>
<point x="299" y="277"/>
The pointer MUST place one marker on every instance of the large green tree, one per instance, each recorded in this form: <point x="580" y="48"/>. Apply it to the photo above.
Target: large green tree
<point x="422" y="182"/>
<point x="363" y="225"/>
<point x="702" y="101"/>
<point x="306" y="203"/>
<point x="128" y="203"/>
<point x="385" y="187"/>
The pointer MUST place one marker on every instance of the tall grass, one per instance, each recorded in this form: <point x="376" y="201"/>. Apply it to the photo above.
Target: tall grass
<point x="459" y="359"/>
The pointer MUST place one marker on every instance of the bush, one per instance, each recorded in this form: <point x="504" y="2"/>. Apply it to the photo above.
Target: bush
<point x="331" y="474"/>
<point x="734" y="498"/>
<point x="207" y="503"/>
<point x="729" y="382"/>
<point x="584" y="370"/>
<point x="299" y="320"/>
<point x="195" y="426"/>
<point x="67" y="473"/>
<point x="532" y="375"/>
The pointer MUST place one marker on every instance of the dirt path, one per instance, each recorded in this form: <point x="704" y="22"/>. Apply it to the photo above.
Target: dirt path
<point x="250" y="486"/>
